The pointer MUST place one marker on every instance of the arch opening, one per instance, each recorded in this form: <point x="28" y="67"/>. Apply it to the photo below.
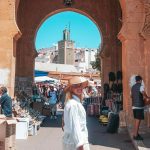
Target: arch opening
<point x="84" y="41"/>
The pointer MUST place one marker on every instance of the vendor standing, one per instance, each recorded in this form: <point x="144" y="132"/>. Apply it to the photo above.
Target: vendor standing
<point x="75" y="129"/>
<point x="5" y="102"/>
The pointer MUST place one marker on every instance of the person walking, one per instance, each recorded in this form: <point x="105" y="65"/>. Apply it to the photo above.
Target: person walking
<point x="138" y="95"/>
<point x="5" y="102"/>
<point x="53" y="102"/>
<point x="74" y="123"/>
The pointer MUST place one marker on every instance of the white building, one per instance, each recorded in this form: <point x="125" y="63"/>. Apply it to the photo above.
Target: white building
<point x="83" y="59"/>
<point x="47" y="55"/>
<point x="66" y="53"/>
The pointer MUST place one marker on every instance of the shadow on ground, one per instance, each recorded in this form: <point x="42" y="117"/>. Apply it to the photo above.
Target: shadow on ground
<point x="99" y="136"/>
<point x="145" y="133"/>
<point x="48" y="122"/>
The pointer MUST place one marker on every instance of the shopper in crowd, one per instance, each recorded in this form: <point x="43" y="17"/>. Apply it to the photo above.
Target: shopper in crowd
<point x="90" y="91"/>
<point x="44" y="90"/>
<point x="5" y="102"/>
<point x="53" y="101"/>
<point x="75" y="130"/>
<point x="34" y="89"/>
<point x="138" y="95"/>
<point x="62" y="96"/>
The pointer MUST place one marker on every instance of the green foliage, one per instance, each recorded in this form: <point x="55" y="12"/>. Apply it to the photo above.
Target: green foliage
<point x="97" y="63"/>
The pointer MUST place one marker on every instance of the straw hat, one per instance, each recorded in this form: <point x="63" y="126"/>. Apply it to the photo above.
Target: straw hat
<point x="77" y="80"/>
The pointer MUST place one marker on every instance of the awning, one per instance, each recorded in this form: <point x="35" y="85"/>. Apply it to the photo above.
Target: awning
<point x="44" y="78"/>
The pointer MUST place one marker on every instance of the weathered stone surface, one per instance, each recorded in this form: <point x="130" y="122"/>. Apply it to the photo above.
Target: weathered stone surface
<point x="8" y="30"/>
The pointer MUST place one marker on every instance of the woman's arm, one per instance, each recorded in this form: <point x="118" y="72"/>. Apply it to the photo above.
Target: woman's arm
<point x="80" y="148"/>
<point x="62" y="122"/>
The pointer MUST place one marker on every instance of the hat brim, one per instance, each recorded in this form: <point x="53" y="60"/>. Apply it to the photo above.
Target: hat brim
<point x="83" y="85"/>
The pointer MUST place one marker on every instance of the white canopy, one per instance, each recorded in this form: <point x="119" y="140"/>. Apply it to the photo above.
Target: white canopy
<point x="44" y="78"/>
<point x="54" y="67"/>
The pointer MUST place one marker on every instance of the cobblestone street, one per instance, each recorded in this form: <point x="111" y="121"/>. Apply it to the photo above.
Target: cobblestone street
<point x="50" y="135"/>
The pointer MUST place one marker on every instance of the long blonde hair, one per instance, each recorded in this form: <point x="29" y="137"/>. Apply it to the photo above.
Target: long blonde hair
<point x="69" y="95"/>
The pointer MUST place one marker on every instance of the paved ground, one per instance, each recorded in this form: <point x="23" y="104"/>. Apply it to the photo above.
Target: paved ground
<point x="145" y="144"/>
<point x="49" y="137"/>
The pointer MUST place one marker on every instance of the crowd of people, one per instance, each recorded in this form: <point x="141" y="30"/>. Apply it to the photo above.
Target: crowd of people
<point x="54" y="94"/>
<point x="70" y="98"/>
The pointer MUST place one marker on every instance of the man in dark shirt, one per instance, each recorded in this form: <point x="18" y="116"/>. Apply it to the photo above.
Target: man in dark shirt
<point x="138" y="95"/>
<point x="5" y="102"/>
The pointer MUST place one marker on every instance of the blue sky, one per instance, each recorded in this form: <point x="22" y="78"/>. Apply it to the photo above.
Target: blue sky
<point x="83" y="31"/>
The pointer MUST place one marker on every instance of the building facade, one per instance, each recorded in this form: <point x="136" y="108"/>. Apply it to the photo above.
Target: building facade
<point x="66" y="49"/>
<point x="83" y="59"/>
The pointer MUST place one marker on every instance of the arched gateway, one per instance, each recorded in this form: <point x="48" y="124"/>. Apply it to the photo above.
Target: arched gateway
<point x="127" y="20"/>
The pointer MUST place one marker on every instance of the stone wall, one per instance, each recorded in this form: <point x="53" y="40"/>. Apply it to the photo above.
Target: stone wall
<point x="9" y="33"/>
<point x="24" y="84"/>
<point x="134" y="51"/>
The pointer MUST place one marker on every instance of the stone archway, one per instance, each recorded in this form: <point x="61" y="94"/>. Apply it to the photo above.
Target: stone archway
<point x="134" y="36"/>
<point x="108" y="23"/>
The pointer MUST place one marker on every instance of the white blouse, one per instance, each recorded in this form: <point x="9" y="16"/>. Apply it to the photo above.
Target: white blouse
<point x="75" y="130"/>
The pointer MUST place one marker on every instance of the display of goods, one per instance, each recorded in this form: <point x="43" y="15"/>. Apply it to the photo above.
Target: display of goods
<point x="112" y="76"/>
<point x="105" y="110"/>
<point x="90" y="109"/>
<point x="96" y="100"/>
<point x="88" y="100"/>
<point x="119" y="88"/>
<point x="109" y="103"/>
<point x="113" y="123"/>
<point x="103" y="119"/>
<point x="31" y="130"/>
<point x="96" y="109"/>
<point x="119" y="75"/>
<point x="46" y="112"/>
<point x="38" y="106"/>
<point x="114" y="87"/>
<point x="35" y="129"/>
<point x="22" y="130"/>
<point x="106" y="87"/>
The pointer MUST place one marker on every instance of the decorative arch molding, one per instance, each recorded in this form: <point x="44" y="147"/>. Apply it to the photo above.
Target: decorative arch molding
<point x="145" y="31"/>
<point x="122" y="34"/>
<point x="128" y="19"/>
<point x="7" y="13"/>
<point x="18" y="33"/>
<point x="100" y="27"/>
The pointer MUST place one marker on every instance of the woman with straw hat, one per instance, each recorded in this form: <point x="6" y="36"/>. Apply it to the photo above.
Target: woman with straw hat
<point x="75" y="130"/>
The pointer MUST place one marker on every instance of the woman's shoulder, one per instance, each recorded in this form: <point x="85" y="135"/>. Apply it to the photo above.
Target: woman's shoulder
<point x="71" y="102"/>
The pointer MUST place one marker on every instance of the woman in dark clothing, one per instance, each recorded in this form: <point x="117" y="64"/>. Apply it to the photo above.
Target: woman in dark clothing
<point x="5" y="102"/>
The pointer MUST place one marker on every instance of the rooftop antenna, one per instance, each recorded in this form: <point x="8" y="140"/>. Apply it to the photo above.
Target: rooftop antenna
<point x="69" y="26"/>
<point x="69" y="29"/>
<point x="65" y="26"/>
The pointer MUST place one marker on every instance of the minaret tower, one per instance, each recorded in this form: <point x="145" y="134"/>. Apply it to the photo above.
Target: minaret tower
<point x="66" y="49"/>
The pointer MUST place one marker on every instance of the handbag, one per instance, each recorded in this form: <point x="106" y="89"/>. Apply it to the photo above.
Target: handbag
<point x="146" y="101"/>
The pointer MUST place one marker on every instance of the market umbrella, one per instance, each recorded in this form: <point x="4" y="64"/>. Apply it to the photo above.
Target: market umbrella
<point x="44" y="78"/>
